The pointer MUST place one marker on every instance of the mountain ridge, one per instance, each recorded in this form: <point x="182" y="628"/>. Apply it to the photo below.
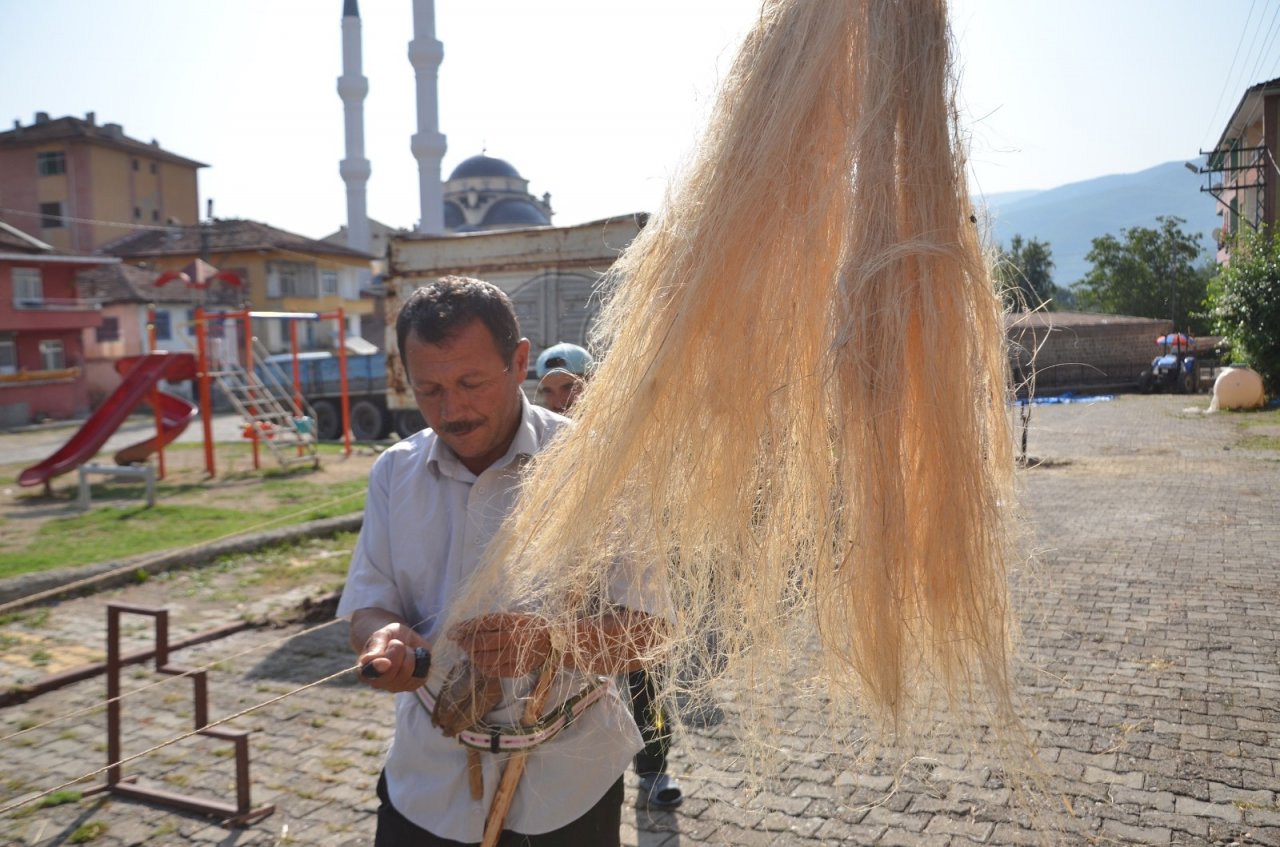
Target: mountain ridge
<point x="1070" y="216"/>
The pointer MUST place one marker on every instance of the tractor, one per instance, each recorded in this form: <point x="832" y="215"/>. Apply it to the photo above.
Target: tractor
<point x="1175" y="369"/>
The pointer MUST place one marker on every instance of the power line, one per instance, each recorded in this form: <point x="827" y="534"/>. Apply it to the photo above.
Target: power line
<point x="1227" y="79"/>
<point x="1266" y="47"/>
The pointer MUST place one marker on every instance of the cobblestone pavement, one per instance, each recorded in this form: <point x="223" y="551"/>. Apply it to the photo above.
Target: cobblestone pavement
<point x="1149" y="672"/>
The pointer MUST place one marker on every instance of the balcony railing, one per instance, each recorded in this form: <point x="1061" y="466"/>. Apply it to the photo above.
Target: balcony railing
<point x="56" y="304"/>
<point x="27" y="377"/>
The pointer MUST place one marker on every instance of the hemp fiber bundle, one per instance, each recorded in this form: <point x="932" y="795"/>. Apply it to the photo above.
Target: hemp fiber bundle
<point x="799" y="425"/>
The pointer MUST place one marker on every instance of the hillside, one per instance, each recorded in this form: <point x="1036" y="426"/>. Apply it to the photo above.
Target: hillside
<point x="1070" y="216"/>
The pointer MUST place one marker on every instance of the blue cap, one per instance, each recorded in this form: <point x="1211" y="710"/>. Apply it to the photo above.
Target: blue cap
<point x="564" y="357"/>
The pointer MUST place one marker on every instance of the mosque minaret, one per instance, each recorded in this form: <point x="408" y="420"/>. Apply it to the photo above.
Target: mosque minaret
<point x="428" y="144"/>
<point x="482" y="193"/>
<point x="355" y="169"/>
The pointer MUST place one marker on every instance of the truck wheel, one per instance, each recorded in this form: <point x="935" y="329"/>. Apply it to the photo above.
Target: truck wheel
<point x="328" y="420"/>
<point x="409" y="421"/>
<point x="366" y="421"/>
<point x="1186" y="384"/>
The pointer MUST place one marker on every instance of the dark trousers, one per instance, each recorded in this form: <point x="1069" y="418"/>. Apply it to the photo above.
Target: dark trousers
<point x="653" y="726"/>
<point x="599" y="827"/>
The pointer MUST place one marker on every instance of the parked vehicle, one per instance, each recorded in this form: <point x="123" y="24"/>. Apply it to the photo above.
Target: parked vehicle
<point x="320" y="376"/>
<point x="1175" y="369"/>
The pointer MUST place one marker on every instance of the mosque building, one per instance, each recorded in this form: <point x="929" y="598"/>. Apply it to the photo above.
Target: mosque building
<point x="481" y="221"/>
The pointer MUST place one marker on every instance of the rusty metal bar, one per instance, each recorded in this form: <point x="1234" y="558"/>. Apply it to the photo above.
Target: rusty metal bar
<point x="54" y="681"/>
<point x="239" y="814"/>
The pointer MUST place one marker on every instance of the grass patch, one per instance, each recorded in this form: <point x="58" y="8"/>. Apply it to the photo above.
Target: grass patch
<point x="1260" y="442"/>
<point x="58" y="798"/>
<point x="91" y="831"/>
<point x="119" y="532"/>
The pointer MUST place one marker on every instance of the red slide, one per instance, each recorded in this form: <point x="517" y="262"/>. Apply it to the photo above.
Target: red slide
<point x="141" y="375"/>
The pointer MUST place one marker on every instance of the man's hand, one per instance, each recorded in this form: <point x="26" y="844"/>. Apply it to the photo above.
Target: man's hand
<point x="386" y="643"/>
<point x="506" y="644"/>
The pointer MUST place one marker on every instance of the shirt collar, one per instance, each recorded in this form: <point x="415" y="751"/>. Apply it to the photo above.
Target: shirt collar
<point x="441" y="460"/>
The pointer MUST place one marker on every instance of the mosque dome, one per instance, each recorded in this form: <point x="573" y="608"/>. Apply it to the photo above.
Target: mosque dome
<point x="482" y="165"/>
<point x="515" y="211"/>
<point x="454" y="217"/>
<point x="485" y="193"/>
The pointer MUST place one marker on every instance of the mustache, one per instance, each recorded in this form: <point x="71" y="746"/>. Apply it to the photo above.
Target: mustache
<point x="459" y="427"/>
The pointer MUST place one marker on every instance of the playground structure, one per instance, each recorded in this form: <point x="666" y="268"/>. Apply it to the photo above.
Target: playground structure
<point x="268" y="400"/>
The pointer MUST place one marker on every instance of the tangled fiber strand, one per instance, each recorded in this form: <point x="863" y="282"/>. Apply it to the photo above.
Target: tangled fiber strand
<point x="798" y="428"/>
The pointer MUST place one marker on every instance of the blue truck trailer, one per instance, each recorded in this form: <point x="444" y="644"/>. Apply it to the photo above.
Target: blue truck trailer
<point x="321" y="379"/>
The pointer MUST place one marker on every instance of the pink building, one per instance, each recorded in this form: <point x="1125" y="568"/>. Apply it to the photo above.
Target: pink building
<point x="127" y="295"/>
<point x="42" y="321"/>
<point x="1243" y="165"/>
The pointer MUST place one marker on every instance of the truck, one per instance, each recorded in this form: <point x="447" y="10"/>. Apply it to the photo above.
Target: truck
<point x="320" y="377"/>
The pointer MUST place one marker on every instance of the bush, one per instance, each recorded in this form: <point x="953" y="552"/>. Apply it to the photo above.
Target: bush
<point x="1244" y="301"/>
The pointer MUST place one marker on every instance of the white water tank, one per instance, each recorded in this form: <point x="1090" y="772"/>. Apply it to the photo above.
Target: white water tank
<point x="1237" y="388"/>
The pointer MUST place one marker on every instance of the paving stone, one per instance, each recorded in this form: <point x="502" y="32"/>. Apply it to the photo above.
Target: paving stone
<point x="1147" y="674"/>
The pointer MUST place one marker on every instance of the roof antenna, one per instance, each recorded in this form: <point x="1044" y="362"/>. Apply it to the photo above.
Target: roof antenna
<point x="209" y="214"/>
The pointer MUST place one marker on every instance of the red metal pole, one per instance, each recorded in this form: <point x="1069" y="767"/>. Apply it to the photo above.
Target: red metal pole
<point x="342" y="374"/>
<point x="155" y="392"/>
<point x="206" y="396"/>
<point x="248" y="370"/>
<point x="297" y="371"/>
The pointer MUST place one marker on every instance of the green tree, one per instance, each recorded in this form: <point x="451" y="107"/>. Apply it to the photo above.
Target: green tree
<point x="1244" y="303"/>
<point x="1149" y="273"/>
<point x="1025" y="272"/>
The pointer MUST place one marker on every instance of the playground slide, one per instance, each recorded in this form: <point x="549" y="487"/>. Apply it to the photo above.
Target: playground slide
<point x="143" y="373"/>
<point x="175" y="414"/>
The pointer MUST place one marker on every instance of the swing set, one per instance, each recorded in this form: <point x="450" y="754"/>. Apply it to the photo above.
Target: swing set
<point x="272" y="403"/>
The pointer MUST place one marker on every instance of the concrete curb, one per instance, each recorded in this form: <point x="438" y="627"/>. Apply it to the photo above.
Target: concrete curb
<point x="86" y="579"/>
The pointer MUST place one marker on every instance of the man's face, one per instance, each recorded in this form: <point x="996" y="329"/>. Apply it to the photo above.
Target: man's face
<point x="467" y="393"/>
<point x="559" y="390"/>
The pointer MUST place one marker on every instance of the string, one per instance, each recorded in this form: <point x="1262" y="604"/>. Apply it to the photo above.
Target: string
<point x="132" y="567"/>
<point x="162" y="745"/>
<point x="165" y="680"/>
<point x="171" y="741"/>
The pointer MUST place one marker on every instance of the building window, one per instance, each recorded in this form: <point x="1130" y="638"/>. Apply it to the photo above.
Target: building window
<point x="137" y="213"/>
<point x="8" y="355"/>
<point x="52" y="356"/>
<point x="328" y="283"/>
<point x="108" y="331"/>
<point x="135" y="164"/>
<point x="291" y="279"/>
<point x="163" y="330"/>
<point x="50" y="215"/>
<point x="51" y="163"/>
<point x="152" y="167"/>
<point x="28" y="287"/>
<point x="288" y="282"/>
<point x="155" y="214"/>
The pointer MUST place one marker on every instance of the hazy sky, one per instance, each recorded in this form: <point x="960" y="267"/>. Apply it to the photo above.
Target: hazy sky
<point x="596" y="101"/>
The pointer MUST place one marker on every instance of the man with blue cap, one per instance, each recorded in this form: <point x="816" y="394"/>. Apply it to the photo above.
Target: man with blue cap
<point x="562" y="370"/>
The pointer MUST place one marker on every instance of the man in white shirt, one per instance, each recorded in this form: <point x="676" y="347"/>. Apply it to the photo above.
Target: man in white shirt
<point x="435" y="500"/>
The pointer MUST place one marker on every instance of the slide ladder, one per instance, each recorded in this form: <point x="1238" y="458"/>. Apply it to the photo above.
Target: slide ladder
<point x="266" y="403"/>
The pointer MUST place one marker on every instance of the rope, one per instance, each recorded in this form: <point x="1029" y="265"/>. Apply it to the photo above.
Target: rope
<point x="171" y="741"/>
<point x="164" y="681"/>
<point x="14" y="605"/>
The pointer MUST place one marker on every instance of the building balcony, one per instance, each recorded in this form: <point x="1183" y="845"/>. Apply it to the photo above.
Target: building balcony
<point x="50" y="314"/>
<point x="25" y="378"/>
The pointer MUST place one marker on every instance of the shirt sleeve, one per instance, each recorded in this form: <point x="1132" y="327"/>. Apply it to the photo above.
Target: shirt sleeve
<point x="639" y="587"/>
<point x="370" y="579"/>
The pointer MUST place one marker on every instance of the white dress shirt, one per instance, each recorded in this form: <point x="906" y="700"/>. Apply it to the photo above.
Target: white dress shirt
<point x="427" y="521"/>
